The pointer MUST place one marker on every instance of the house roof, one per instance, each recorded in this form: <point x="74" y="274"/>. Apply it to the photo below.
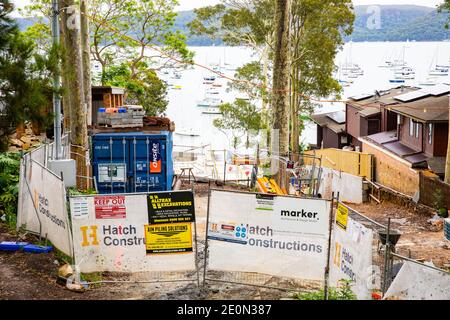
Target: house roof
<point x="107" y="89"/>
<point x="429" y="109"/>
<point x="369" y="105"/>
<point x="388" y="141"/>
<point x="324" y="120"/>
<point x="437" y="165"/>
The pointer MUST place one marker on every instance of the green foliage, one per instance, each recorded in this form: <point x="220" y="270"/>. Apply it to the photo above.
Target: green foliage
<point x="145" y="89"/>
<point x="250" y="81"/>
<point x="236" y="23"/>
<point x="9" y="187"/>
<point x="124" y="30"/>
<point x="121" y="34"/>
<point x="75" y="192"/>
<point x="445" y="7"/>
<point x="438" y="199"/>
<point x="25" y="76"/>
<point x="240" y="115"/>
<point x="400" y="23"/>
<point x="342" y="292"/>
<point x="91" y="277"/>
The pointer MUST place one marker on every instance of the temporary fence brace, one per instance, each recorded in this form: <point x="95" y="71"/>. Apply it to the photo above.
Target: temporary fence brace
<point x="254" y="275"/>
<point x="330" y="230"/>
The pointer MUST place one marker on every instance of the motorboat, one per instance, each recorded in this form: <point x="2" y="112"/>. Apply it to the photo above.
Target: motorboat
<point x="212" y="110"/>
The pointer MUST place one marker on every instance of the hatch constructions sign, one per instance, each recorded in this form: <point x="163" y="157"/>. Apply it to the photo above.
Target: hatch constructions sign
<point x="280" y="236"/>
<point x="115" y="233"/>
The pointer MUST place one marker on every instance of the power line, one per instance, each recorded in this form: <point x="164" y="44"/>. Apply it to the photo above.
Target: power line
<point x="232" y="79"/>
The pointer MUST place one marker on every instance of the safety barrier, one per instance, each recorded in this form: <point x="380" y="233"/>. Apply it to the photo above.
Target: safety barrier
<point x="266" y="240"/>
<point x="42" y="206"/>
<point x="151" y="233"/>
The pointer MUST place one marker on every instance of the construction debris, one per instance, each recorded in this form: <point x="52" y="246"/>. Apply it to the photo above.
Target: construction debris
<point x="20" y="142"/>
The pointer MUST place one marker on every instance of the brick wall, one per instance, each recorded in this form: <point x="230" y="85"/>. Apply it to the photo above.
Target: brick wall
<point x="434" y="192"/>
<point x="393" y="173"/>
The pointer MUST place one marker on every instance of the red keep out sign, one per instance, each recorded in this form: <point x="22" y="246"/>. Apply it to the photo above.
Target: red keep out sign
<point x="110" y="207"/>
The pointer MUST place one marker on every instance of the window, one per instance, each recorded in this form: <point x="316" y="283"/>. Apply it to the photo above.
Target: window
<point x="417" y="129"/>
<point x="411" y="127"/>
<point x="430" y="133"/>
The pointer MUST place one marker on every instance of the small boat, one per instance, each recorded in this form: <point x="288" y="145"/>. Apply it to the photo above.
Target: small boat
<point x="213" y="110"/>
<point x="404" y="71"/>
<point x="217" y="85"/>
<point x="210" y="78"/>
<point x="397" y="80"/>
<point x="438" y="72"/>
<point x="386" y="64"/>
<point x="187" y="132"/>
<point x="428" y="82"/>
<point x="346" y="83"/>
<point x="405" y="76"/>
<point x="212" y="92"/>
<point x="176" y="75"/>
<point x="210" y="102"/>
<point x="177" y="87"/>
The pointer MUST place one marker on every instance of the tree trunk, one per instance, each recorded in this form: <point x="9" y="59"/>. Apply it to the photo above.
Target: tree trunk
<point x="447" y="162"/>
<point x="86" y="52"/>
<point x="73" y="80"/>
<point x="280" y="100"/>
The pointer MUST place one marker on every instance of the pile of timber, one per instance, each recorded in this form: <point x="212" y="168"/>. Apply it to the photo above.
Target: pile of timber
<point x="25" y="141"/>
<point x="150" y="124"/>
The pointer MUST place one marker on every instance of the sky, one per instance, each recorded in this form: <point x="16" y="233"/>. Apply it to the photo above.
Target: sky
<point x="191" y="4"/>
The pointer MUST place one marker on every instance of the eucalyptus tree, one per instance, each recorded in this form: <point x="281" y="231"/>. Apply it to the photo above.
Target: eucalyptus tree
<point x="246" y="23"/>
<point x="318" y="28"/>
<point x="446" y="6"/>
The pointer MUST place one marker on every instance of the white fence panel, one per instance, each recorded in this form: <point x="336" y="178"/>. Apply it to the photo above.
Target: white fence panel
<point x="109" y="234"/>
<point x="42" y="205"/>
<point x="416" y="282"/>
<point x="351" y="256"/>
<point x="350" y="187"/>
<point x="279" y="236"/>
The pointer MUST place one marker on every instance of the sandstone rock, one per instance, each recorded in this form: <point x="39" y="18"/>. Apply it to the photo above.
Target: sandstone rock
<point x="16" y="143"/>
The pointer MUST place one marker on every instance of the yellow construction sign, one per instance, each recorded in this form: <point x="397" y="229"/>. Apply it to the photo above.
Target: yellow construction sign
<point x="342" y="216"/>
<point x="168" y="238"/>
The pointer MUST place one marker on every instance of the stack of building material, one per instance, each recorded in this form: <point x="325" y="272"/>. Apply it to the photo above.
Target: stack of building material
<point x="27" y="140"/>
<point x="122" y="117"/>
<point x="266" y="185"/>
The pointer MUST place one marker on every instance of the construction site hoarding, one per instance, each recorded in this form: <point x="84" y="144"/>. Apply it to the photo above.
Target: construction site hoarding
<point x="42" y="204"/>
<point x="419" y="282"/>
<point x="351" y="254"/>
<point x="267" y="234"/>
<point x="123" y="238"/>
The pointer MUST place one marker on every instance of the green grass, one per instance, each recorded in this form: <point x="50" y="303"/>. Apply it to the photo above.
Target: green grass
<point x="342" y="292"/>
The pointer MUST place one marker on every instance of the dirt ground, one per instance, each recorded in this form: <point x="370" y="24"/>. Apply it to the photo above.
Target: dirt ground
<point x="33" y="276"/>
<point x="25" y="276"/>
<point x="419" y="240"/>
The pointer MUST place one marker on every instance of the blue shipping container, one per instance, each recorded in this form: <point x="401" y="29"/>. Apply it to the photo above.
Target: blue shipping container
<point x="132" y="162"/>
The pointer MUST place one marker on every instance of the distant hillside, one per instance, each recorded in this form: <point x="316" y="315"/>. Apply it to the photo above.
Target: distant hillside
<point x="398" y="23"/>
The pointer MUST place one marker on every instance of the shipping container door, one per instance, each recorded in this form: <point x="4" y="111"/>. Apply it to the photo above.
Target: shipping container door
<point x="110" y="164"/>
<point x="147" y="164"/>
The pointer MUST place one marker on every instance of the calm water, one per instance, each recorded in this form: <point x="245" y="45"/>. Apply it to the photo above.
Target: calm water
<point x="187" y="116"/>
